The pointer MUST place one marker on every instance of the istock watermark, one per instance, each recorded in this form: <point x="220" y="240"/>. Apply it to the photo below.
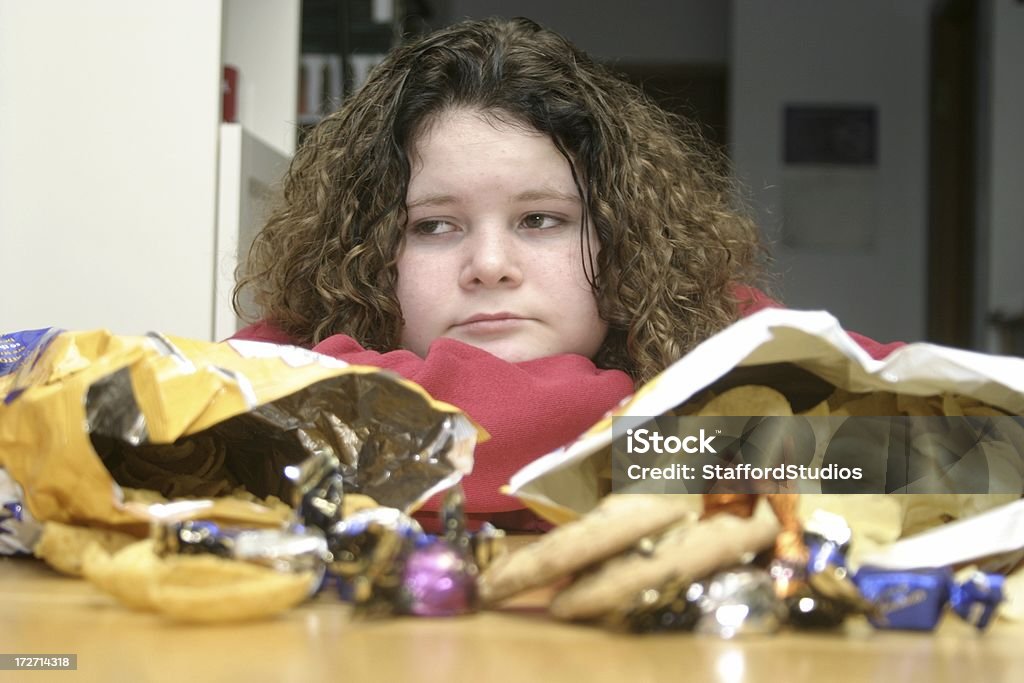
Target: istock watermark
<point x="809" y="454"/>
<point x="646" y="441"/>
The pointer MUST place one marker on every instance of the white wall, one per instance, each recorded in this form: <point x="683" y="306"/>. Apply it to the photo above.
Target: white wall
<point x="108" y="156"/>
<point x="109" y="124"/>
<point x="641" y="31"/>
<point x="1001" y="161"/>
<point x="871" y="52"/>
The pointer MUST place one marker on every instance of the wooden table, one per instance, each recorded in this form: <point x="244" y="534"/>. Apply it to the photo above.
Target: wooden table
<point x="44" y="612"/>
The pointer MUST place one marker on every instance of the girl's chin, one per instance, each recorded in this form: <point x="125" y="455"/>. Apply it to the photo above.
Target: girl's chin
<point x="509" y="350"/>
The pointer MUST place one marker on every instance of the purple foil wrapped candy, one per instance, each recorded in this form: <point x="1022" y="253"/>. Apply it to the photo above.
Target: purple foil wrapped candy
<point x="439" y="581"/>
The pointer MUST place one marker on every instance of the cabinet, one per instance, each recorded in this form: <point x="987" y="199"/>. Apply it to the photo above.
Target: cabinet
<point x="114" y="164"/>
<point x="342" y="40"/>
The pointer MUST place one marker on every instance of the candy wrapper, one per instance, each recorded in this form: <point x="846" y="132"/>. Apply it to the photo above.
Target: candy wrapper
<point x="383" y="562"/>
<point x="378" y="558"/>
<point x="292" y="549"/>
<point x="915" y="584"/>
<point x="747" y="599"/>
<point x="19" y="531"/>
<point x="89" y="419"/>
<point x="781" y="362"/>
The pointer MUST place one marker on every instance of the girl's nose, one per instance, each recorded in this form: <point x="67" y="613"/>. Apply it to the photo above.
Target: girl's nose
<point x="492" y="260"/>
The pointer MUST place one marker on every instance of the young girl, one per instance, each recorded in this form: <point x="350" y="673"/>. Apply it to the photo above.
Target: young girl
<point x="497" y="218"/>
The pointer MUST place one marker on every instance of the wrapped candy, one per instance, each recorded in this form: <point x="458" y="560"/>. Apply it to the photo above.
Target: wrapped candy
<point x="385" y="564"/>
<point x="295" y="549"/>
<point x="440" y="574"/>
<point x="828" y="594"/>
<point x="915" y="599"/>
<point x="317" y="492"/>
<point x="808" y="608"/>
<point x="673" y="607"/>
<point x="368" y="551"/>
<point x="380" y="557"/>
<point x="486" y="545"/>
<point x="19" y="531"/>
<point x="975" y="600"/>
<point x="439" y="580"/>
<point x="827" y="536"/>
<point x="912" y="600"/>
<point x="739" y="601"/>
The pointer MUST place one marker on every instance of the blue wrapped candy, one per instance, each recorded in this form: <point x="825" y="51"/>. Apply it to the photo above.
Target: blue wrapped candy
<point x="915" y="599"/>
<point x="906" y="600"/>
<point x="977" y="598"/>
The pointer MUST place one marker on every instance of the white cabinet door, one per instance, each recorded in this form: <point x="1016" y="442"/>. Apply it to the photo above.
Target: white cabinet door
<point x="250" y="171"/>
<point x="108" y="161"/>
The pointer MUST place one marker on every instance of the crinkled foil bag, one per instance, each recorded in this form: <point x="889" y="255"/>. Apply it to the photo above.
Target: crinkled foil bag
<point x="88" y="415"/>
<point x="805" y="355"/>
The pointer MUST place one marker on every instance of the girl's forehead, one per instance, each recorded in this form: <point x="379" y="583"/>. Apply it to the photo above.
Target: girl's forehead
<point x="437" y="128"/>
<point x="466" y="147"/>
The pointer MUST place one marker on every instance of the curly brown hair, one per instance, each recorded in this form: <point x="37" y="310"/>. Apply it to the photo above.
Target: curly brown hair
<point x="673" y="245"/>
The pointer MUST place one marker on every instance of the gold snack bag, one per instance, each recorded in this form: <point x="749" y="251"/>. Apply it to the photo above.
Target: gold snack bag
<point x="89" y="412"/>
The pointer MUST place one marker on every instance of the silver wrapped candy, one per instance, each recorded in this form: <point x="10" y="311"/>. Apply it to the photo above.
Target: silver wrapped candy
<point x="736" y="602"/>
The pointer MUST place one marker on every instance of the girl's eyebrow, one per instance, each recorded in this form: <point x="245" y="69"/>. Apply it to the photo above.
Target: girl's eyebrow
<point x="540" y="195"/>
<point x="527" y="196"/>
<point x="433" y="200"/>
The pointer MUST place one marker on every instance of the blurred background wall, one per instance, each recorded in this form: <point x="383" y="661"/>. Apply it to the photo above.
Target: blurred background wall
<point x="881" y="143"/>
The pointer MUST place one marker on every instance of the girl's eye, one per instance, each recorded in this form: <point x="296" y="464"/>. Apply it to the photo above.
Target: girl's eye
<point x="540" y="221"/>
<point x="433" y="227"/>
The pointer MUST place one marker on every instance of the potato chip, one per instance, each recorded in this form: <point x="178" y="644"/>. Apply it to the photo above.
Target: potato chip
<point x="819" y="410"/>
<point x="752" y="400"/>
<point x="951" y="406"/>
<point x="878" y="403"/>
<point x="920" y="405"/>
<point x="127" y="575"/>
<point x="201" y="588"/>
<point x="204" y="588"/>
<point x="694" y="405"/>
<point x="144" y="496"/>
<point x="63" y="546"/>
<point x="966" y="402"/>
<point x="983" y="411"/>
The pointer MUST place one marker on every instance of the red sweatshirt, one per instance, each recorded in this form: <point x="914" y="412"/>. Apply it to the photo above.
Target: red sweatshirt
<point x="529" y="408"/>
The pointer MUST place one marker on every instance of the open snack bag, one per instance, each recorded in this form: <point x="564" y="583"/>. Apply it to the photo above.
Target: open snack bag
<point x="927" y="436"/>
<point x="107" y="437"/>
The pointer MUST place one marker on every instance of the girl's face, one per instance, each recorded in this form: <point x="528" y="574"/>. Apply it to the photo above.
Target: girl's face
<point x="492" y="254"/>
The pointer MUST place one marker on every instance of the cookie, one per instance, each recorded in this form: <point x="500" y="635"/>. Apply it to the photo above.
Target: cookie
<point x="685" y="553"/>
<point x="615" y="525"/>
